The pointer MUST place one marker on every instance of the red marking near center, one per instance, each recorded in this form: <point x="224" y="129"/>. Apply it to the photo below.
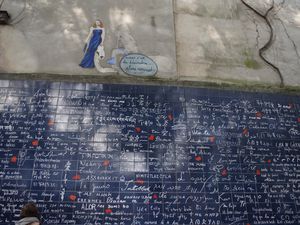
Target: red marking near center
<point x="198" y="158"/>
<point x="298" y="119"/>
<point x="72" y="197"/>
<point x="224" y="172"/>
<point x="212" y="139"/>
<point x="155" y="196"/>
<point x="50" y="122"/>
<point x="76" y="177"/>
<point x="245" y="131"/>
<point x="151" y="137"/>
<point x="13" y="159"/>
<point x="106" y="163"/>
<point x="138" y="129"/>
<point x="108" y="211"/>
<point x="258" y="114"/>
<point x="139" y="181"/>
<point x="35" y="143"/>
<point x="170" y="117"/>
<point x="258" y="172"/>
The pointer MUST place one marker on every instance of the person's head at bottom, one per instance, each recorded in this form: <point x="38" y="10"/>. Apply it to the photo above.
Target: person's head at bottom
<point x="29" y="215"/>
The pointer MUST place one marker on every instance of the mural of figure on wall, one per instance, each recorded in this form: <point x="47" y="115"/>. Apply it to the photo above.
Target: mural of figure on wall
<point x="94" y="40"/>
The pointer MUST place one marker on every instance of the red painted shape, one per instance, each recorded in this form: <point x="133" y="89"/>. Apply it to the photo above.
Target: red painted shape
<point x="198" y="158"/>
<point x="258" y="172"/>
<point x="258" y="114"/>
<point x="212" y="139"/>
<point x="139" y="181"/>
<point x="76" y="177"/>
<point x="35" y="142"/>
<point x="73" y="198"/>
<point x="50" y="122"/>
<point x="108" y="211"/>
<point x="224" y="172"/>
<point x="106" y="163"/>
<point x="138" y="129"/>
<point x="248" y="224"/>
<point x="155" y="196"/>
<point x="151" y="137"/>
<point x="298" y="119"/>
<point x="245" y="131"/>
<point x="170" y="117"/>
<point x="14" y="159"/>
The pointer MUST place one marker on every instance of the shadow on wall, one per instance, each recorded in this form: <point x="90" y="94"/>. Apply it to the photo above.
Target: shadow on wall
<point x="54" y="32"/>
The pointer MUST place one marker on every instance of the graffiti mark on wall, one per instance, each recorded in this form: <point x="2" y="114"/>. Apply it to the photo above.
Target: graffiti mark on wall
<point x="94" y="48"/>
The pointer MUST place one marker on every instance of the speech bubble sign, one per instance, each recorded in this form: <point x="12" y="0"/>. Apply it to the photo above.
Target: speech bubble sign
<point x="136" y="64"/>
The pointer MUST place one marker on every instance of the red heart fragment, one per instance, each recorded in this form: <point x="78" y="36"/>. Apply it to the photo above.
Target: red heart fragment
<point x="224" y="172"/>
<point x="138" y="129"/>
<point x="155" y="196"/>
<point x="76" y="177"/>
<point x="258" y="114"/>
<point x="258" y="172"/>
<point x="139" y="181"/>
<point x="35" y="143"/>
<point x="13" y="159"/>
<point x="151" y="137"/>
<point x="108" y="211"/>
<point x="106" y="163"/>
<point x="198" y="158"/>
<point x="72" y="197"/>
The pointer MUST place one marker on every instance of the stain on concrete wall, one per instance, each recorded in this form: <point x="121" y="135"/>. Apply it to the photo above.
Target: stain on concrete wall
<point x="51" y="36"/>
<point x="221" y="40"/>
<point x="190" y="40"/>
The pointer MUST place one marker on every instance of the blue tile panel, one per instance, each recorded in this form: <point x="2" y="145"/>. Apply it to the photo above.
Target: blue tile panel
<point x="143" y="155"/>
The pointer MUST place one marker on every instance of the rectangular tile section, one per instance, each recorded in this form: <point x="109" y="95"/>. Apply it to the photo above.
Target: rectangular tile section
<point x="122" y="154"/>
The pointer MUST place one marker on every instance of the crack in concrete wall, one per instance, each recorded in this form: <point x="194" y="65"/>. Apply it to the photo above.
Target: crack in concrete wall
<point x="265" y="16"/>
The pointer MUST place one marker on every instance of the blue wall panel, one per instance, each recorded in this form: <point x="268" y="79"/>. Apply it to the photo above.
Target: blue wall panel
<point x="122" y="154"/>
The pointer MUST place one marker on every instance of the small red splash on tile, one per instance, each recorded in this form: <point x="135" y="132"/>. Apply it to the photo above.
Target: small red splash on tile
<point x="13" y="159"/>
<point x="138" y="129"/>
<point x="258" y="114"/>
<point x="258" y="172"/>
<point x="106" y="163"/>
<point x="224" y="172"/>
<point x="139" y="181"/>
<point x="198" y="158"/>
<point x="170" y="117"/>
<point x="151" y="137"/>
<point x="35" y="143"/>
<point x="108" y="211"/>
<point x="73" y="198"/>
<point x="155" y="196"/>
<point x="76" y="177"/>
<point x="50" y="122"/>
<point x="245" y="131"/>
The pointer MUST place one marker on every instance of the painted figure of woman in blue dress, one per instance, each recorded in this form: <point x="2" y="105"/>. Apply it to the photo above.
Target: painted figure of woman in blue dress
<point x="94" y="40"/>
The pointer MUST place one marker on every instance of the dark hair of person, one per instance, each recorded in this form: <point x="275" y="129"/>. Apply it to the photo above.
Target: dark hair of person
<point x="29" y="210"/>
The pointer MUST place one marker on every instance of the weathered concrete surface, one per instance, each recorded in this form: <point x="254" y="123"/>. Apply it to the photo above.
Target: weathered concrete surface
<point x="220" y="40"/>
<point x="51" y="36"/>
<point x="216" y="40"/>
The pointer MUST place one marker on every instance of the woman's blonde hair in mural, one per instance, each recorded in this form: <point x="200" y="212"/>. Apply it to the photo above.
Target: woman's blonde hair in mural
<point x="100" y="24"/>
